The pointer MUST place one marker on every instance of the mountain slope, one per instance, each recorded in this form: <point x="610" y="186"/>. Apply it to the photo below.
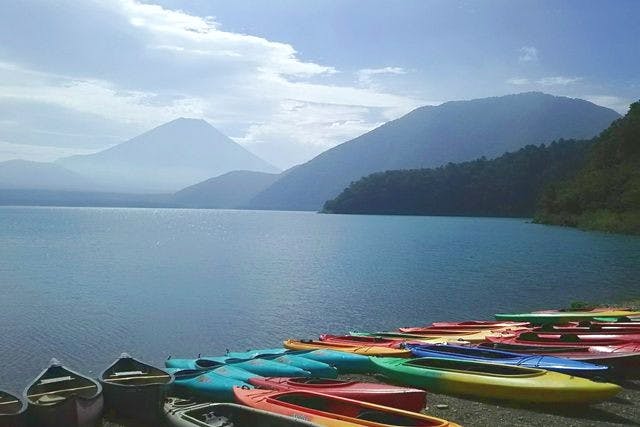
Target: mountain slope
<point x="432" y="136"/>
<point x="509" y="185"/>
<point x="167" y="158"/>
<point x="605" y="194"/>
<point x="23" y="174"/>
<point x="231" y="190"/>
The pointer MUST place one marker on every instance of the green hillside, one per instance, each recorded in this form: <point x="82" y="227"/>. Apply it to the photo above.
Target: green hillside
<point x="509" y="185"/>
<point x="605" y="194"/>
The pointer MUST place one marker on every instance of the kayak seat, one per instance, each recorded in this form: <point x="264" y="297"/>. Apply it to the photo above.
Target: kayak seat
<point x="569" y="338"/>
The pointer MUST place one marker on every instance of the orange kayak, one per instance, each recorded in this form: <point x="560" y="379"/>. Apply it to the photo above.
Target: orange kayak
<point x="348" y="348"/>
<point x="333" y="411"/>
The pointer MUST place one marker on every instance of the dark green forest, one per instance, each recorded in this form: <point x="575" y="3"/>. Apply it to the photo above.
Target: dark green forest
<point x="605" y="193"/>
<point x="509" y="185"/>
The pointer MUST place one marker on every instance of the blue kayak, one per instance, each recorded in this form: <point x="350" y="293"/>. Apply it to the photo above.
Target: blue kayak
<point x="261" y="367"/>
<point x="475" y="354"/>
<point x="207" y="384"/>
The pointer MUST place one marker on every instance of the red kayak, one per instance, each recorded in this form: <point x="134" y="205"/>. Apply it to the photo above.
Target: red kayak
<point x="332" y="411"/>
<point x="588" y="330"/>
<point x="356" y="340"/>
<point x="409" y="399"/>
<point x="587" y="324"/>
<point x="623" y="359"/>
<point x="478" y="324"/>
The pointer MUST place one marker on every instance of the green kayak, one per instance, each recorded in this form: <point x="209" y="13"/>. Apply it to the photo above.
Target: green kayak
<point x="567" y="316"/>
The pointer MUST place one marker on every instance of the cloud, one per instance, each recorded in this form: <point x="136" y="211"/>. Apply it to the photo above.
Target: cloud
<point x="558" y="81"/>
<point x="544" y="81"/>
<point x="37" y="153"/>
<point x="168" y="64"/>
<point x="366" y="75"/>
<point x="621" y="105"/>
<point x="518" y="81"/>
<point x="528" y="54"/>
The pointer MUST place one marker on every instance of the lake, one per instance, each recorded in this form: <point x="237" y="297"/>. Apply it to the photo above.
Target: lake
<point x="85" y="284"/>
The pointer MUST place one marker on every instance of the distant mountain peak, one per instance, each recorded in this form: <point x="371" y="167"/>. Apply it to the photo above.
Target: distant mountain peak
<point x="168" y="157"/>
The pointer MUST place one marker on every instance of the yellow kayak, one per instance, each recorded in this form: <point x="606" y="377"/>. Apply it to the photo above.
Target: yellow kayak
<point x="364" y="350"/>
<point x="494" y="381"/>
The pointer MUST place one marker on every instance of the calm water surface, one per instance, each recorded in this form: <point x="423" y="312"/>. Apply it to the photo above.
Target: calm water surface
<point x="85" y="284"/>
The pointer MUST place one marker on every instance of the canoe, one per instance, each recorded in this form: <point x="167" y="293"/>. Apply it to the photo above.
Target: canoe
<point x="345" y="363"/>
<point x="494" y="381"/>
<point x="206" y="384"/>
<point x="563" y="340"/>
<point x="12" y="410"/>
<point x="479" y="324"/>
<point x="186" y="413"/>
<point x="62" y="397"/>
<point x="565" y="316"/>
<point x="356" y="340"/>
<point x="262" y="367"/>
<point x="470" y="337"/>
<point x="362" y="349"/>
<point x="479" y="354"/>
<point x="132" y="389"/>
<point x="333" y="411"/>
<point x="409" y="399"/>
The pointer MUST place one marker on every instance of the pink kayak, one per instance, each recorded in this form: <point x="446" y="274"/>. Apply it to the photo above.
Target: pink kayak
<point x="479" y="324"/>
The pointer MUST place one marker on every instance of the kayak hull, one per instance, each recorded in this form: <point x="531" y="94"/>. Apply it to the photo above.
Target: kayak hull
<point x="333" y="411"/>
<point x="494" y="381"/>
<point x="476" y="354"/>
<point x="365" y="350"/>
<point x="409" y="399"/>
<point x="565" y="316"/>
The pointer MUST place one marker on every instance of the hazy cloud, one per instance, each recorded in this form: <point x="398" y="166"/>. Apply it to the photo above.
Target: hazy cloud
<point x="528" y="54"/>
<point x="366" y="75"/>
<point x="558" y="81"/>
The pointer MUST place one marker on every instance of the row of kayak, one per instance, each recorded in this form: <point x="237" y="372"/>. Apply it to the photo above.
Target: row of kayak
<point x="517" y="357"/>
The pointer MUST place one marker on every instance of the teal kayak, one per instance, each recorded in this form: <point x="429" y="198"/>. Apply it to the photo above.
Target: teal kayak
<point x="262" y="367"/>
<point x="317" y="369"/>
<point x="344" y="362"/>
<point x="209" y="384"/>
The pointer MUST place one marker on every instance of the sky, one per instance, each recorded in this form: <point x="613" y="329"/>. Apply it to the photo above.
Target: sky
<point x="288" y="79"/>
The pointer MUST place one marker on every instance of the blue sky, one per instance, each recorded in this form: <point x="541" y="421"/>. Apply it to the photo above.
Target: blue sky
<point x="288" y="79"/>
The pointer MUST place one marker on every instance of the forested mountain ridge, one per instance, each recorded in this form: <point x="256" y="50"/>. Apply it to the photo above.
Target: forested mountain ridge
<point x="509" y="185"/>
<point x="433" y="136"/>
<point x="605" y="193"/>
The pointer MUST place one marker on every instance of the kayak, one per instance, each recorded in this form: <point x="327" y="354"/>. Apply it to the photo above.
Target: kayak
<point x="583" y="310"/>
<point x="495" y="381"/>
<point x="479" y="354"/>
<point x="316" y="368"/>
<point x="333" y="411"/>
<point x="357" y="349"/>
<point x="566" y="316"/>
<point x="356" y="340"/>
<point x="344" y="362"/>
<point x="135" y="390"/>
<point x="207" y="384"/>
<point x="622" y="360"/>
<point x="556" y="339"/>
<point x="588" y="330"/>
<point x="409" y="399"/>
<point x="186" y="413"/>
<point x="479" y="324"/>
<point x="263" y="367"/>
<point x="471" y="337"/>
<point x="12" y="410"/>
<point x="62" y="397"/>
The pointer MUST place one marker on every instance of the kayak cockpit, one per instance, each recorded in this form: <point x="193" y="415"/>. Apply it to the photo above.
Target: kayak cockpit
<point x="335" y="408"/>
